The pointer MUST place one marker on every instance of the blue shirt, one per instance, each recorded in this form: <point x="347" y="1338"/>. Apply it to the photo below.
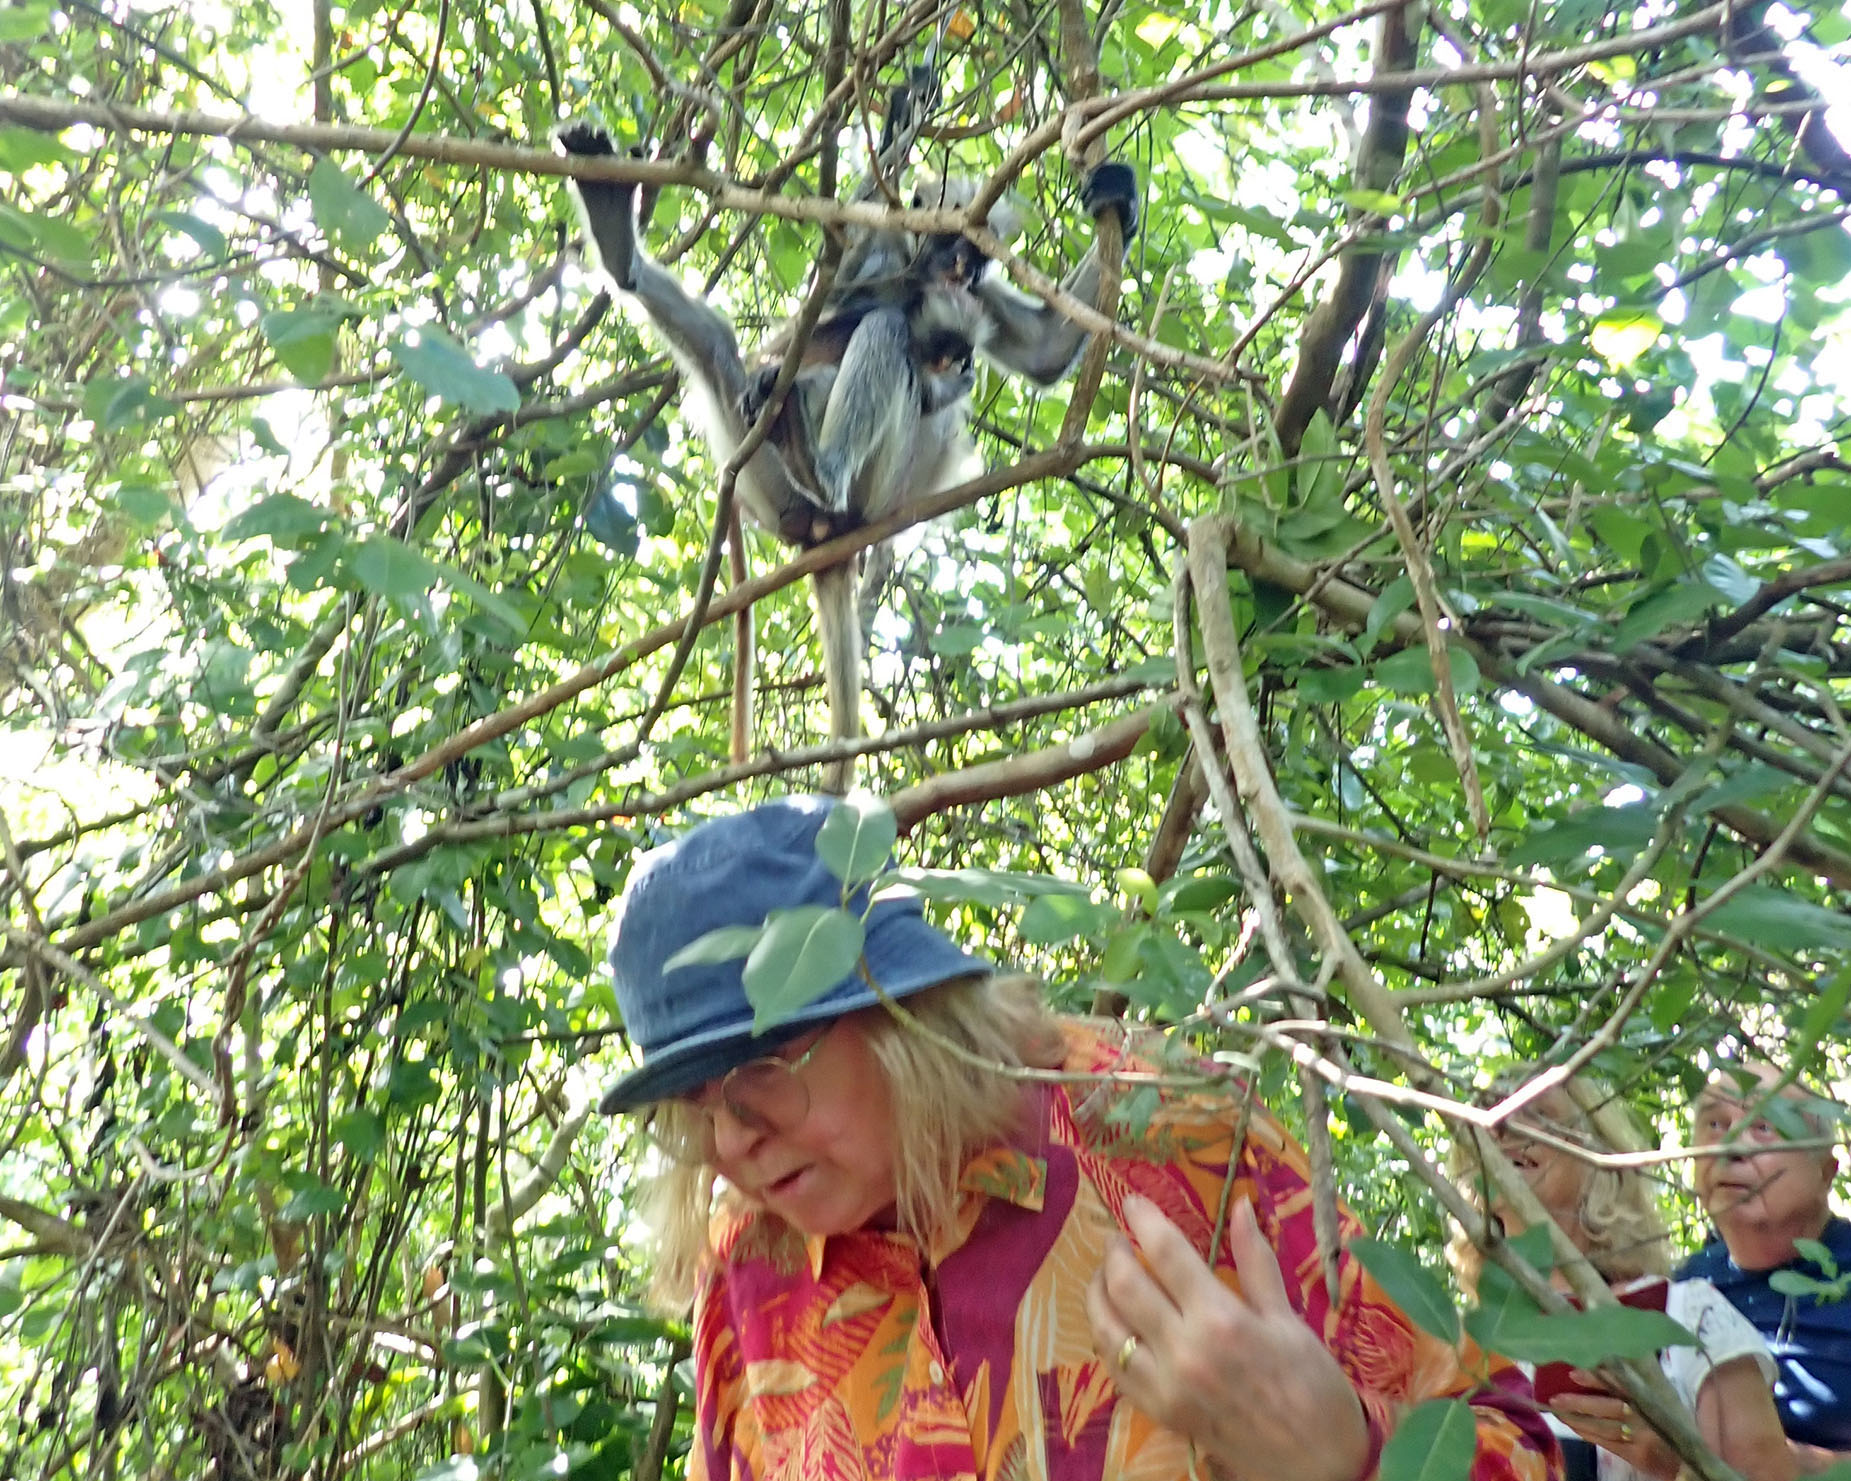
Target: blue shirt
<point x="1809" y="1337"/>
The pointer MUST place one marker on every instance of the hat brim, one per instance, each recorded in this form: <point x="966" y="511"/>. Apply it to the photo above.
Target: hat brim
<point x="680" y="1067"/>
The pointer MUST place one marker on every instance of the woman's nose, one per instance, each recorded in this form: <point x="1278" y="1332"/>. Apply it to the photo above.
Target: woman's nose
<point x="734" y="1136"/>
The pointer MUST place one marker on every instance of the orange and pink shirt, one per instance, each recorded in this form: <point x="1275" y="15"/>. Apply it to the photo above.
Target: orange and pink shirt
<point x="863" y="1357"/>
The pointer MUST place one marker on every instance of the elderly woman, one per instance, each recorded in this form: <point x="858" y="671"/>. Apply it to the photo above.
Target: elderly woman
<point x="1611" y="1217"/>
<point x="931" y="1230"/>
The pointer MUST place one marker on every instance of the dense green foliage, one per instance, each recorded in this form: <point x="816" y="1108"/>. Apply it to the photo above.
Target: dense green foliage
<point x="319" y="449"/>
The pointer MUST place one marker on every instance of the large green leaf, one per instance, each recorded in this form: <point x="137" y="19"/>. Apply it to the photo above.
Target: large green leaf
<point x="343" y="210"/>
<point x="1768" y="915"/>
<point x="1434" y="1441"/>
<point x="1588" y="1338"/>
<point x="801" y="955"/>
<point x="857" y="837"/>
<point x="1411" y="1286"/>
<point x="444" y="368"/>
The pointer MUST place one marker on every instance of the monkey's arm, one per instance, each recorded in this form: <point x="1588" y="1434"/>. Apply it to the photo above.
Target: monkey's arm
<point x="699" y="338"/>
<point x="1030" y="337"/>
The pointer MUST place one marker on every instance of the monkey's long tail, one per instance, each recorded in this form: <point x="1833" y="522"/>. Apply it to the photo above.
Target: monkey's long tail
<point x="840" y="631"/>
<point x="744" y="654"/>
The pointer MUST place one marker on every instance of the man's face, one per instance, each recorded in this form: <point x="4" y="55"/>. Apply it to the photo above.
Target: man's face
<point x="1768" y="1187"/>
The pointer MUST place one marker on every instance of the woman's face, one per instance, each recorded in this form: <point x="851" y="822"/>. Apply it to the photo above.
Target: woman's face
<point x="1556" y="1178"/>
<point x="832" y="1170"/>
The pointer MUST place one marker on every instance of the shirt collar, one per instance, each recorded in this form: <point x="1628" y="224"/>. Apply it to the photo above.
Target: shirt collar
<point x="1008" y="1170"/>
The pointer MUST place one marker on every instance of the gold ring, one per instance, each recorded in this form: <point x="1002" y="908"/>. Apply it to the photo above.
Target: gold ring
<point x="1625" y="1434"/>
<point x="1125" y="1350"/>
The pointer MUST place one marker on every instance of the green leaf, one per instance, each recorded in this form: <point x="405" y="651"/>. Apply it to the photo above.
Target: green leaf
<point x="1204" y="892"/>
<point x="857" y="838"/>
<point x="443" y="367"/>
<point x="956" y="639"/>
<point x="1729" y="578"/>
<point x="1320" y="478"/>
<point x="342" y="209"/>
<point x="25" y="23"/>
<point x="1792" y="1283"/>
<point x="1819" y="1022"/>
<point x="45" y="236"/>
<point x="726" y="944"/>
<point x="1394" y="600"/>
<point x="1589" y="1338"/>
<point x="390" y="568"/>
<point x="1052" y="919"/>
<point x="361" y="1133"/>
<point x="145" y="505"/>
<point x="1121" y="960"/>
<point x="1621" y="832"/>
<point x="1410" y="671"/>
<point x="203" y="234"/>
<point x="21" y="149"/>
<point x="1138" y="884"/>
<point x="1767" y="915"/>
<point x="303" y="340"/>
<point x="1411" y="1286"/>
<point x="1375" y="202"/>
<point x="995" y="888"/>
<point x="802" y="954"/>
<point x="1819" y="1253"/>
<point x="117" y="402"/>
<point x="284" y="518"/>
<point x="312" y="1199"/>
<point x="1652" y="614"/>
<point x="1435" y="1441"/>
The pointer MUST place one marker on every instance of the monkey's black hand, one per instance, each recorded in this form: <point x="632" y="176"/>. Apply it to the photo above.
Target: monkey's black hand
<point x="585" y="138"/>
<point x="609" y="206"/>
<point x="758" y="391"/>
<point x="1113" y="186"/>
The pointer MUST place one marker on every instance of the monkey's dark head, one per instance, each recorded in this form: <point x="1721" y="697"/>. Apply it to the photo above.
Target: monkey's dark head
<point x="947" y="260"/>
<point x="945" y="365"/>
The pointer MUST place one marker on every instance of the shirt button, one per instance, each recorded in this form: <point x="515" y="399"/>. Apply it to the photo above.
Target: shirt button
<point x="938" y="1372"/>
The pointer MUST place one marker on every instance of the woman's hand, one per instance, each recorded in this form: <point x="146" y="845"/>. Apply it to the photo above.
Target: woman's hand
<point x="1241" y="1376"/>
<point x="1609" y="1421"/>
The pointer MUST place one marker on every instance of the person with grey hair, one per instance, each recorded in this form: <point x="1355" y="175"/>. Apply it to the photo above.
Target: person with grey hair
<point x="932" y="1230"/>
<point x="1767" y="1201"/>
<point x="1770" y="1203"/>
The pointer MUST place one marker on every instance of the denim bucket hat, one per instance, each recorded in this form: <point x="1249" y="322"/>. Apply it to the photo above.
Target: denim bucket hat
<point x="694" y="1023"/>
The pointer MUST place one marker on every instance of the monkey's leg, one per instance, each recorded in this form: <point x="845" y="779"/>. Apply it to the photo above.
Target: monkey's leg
<point x="864" y="442"/>
<point x="839" y="631"/>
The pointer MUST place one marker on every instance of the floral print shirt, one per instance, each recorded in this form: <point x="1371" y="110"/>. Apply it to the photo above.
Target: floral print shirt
<point x="864" y="1356"/>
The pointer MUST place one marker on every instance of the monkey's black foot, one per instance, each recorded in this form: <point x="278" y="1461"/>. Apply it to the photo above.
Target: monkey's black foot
<point x="758" y="391"/>
<point x="587" y="138"/>
<point x="1113" y="186"/>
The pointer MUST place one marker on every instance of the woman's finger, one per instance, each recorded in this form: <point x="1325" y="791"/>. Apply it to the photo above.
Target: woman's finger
<point x="1181" y="1272"/>
<point x="1114" y="1338"/>
<point x="1261" y="1280"/>
<point x="1137" y="1296"/>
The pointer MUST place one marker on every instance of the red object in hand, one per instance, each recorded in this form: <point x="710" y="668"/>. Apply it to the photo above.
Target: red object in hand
<point x="1555" y="1379"/>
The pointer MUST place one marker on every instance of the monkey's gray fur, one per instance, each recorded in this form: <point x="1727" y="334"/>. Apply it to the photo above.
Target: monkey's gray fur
<point x="878" y="416"/>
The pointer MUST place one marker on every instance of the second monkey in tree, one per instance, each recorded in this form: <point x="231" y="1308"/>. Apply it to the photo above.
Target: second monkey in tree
<point x="878" y="415"/>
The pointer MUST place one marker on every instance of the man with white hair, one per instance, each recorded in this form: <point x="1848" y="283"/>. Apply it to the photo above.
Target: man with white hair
<point x="1770" y="1200"/>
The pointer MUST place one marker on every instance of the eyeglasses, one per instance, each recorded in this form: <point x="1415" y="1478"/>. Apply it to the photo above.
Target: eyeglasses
<point x="765" y="1095"/>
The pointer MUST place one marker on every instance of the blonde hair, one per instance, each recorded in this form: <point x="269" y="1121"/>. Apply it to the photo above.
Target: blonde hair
<point x="1619" y="1212"/>
<point x="942" y="1071"/>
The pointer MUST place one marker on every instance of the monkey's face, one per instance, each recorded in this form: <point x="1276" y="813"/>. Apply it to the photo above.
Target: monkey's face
<point x="949" y="261"/>
<point x="947" y="368"/>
